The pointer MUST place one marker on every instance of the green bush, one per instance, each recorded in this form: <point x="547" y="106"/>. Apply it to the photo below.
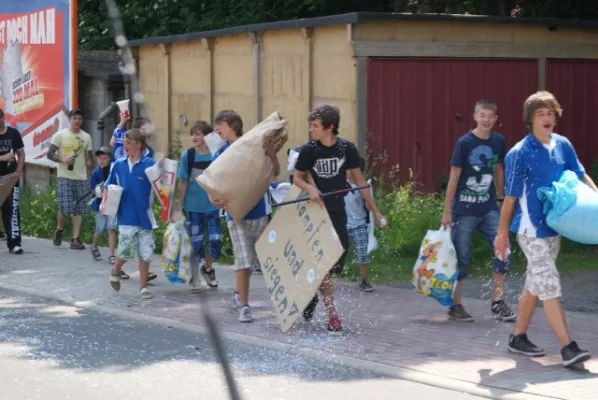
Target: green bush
<point x="38" y="218"/>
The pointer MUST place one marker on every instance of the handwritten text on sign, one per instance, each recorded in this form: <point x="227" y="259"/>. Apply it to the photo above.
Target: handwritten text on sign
<point x="296" y="251"/>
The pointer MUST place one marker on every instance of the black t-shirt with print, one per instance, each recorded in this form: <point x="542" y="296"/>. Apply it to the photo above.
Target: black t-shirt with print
<point x="328" y="167"/>
<point x="10" y="141"/>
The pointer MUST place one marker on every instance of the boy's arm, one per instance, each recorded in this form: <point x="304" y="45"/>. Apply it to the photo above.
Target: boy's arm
<point x="182" y="190"/>
<point x="451" y="190"/>
<point x="590" y="182"/>
<point x="271" y="153"/>
<point x="301" y="183"/>
<point x="501" y="242"/>
<point x="499" y="181"/>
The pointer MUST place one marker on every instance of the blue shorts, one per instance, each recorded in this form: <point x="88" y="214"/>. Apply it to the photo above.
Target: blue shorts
<point x="463" y="229"/>
<point x="104" y="223"/>
<point x="197" y="225"/>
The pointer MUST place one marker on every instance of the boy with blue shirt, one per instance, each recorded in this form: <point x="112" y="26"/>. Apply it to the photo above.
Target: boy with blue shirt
<point x="243" y="234"/>
<point x="117" y="140"/>
<point x="103" y="222"/>
<point x="537" y="161"/>
<point x="471" y="203"/>
<point x="200" y="213"/>
<point x="135" y="218"/>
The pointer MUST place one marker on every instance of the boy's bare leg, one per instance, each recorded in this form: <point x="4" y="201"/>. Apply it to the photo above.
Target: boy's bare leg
<point x="209" y="261"/>
<point x="242" y="283"/>
<point x="77" y="221"/>
<point x="60" y="221"/>
<point x="327" y="290"/>
<point x="555" y="314"/>
<point x="527" y="307"/>
<point x="118" y="265"/>
<point x="95" y="241"/>
<point x="499" y="285"/>
<point x="143" y="273"/>
<point x="458" y="291"/>
<point x="363" y="270"/>
<point x="111" y="241"/>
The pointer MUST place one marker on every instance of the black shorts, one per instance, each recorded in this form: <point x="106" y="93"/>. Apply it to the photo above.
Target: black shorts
<point x="339" y="221"/>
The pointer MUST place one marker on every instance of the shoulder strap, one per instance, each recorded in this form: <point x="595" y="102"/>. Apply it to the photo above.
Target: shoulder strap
<point x="190" y="159"/>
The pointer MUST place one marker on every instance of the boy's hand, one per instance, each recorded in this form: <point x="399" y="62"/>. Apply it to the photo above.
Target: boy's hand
<point x="124" y="118"/>
<point x="314" y="194"/>
<point x="269" y="148"/>
<point x="222" y="204"/>
<point x="102" y="208"/>
<point x="380" y="220"/>
<point x="501" y="244"/>
<point x="446" y="219"/>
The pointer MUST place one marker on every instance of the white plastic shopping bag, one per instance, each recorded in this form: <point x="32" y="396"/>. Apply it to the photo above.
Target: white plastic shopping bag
<point x="176" y="253"/>
<point x="114" y="193"/>
<point x="435" y="270"/>
<point x="372" y="241"/>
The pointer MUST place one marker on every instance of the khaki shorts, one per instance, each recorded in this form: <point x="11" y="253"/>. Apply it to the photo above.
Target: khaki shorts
<point x="243" y="236"/>
<point x="542" y="278"/>
<point x="133" y="240"/>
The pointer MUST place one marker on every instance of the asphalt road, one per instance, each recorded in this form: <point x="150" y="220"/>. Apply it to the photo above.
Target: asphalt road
<point x="53" y="351"/>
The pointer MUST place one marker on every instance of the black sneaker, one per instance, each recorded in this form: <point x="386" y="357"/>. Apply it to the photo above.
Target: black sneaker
<point x="57" y="238"/>
<point x="95" y="253"/>
<point x="257" y="269"/>
<point x="458" y="313"/>
<point x="365" y="286"/>
<point x="521" y="344"/>
<point x="572" y="355"/>
<point x="334" y="325"/>
<point x="210" y="276"/>
<point x="503" y="312"/>
<point x="76" y="244"/>
<point x="309" y="311"/>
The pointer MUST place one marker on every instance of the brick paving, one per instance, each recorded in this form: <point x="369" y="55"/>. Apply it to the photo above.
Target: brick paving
<point x="391" y="326"/>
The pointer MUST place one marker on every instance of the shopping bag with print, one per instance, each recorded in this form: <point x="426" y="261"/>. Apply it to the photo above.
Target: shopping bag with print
<point x="435" y="271"/>
<point x="176" y="252"/>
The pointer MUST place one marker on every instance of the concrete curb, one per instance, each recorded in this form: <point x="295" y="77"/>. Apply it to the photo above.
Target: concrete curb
<point x="377" y="368"/>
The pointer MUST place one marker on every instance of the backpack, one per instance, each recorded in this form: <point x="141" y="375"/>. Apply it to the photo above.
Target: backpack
<point x="190" y="159"/>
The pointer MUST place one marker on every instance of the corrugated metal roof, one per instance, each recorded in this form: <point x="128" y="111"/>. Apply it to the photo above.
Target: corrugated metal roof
<point x="99" y="64"/>
<point x="353" y="18"/>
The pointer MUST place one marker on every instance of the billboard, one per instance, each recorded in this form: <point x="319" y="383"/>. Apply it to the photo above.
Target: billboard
<point x="38" y="69"/>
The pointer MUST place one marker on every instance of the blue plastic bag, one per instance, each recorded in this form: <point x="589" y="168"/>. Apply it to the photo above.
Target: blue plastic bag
<point x="571" y="208"/>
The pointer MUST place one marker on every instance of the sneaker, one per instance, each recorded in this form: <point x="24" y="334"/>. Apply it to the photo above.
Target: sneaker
<point x="77" y="245"/>
<point x="256" y="268"/>
<point x="458" y="313"/>
<point x="115" y="280"/>
<point x="245" y="314"/>
<point x="2" y="235"/>
<point x="57" y="238"/>
<point x="334" y="325"/>
<point x="365" y="286"/>
<point x="194" y="285"/>
<point x="210" y="276"/>
<point x="503" y="312"/>
<point x="572" y="355"/>
<point x="521" y="344"/>
<point x="145" y="293"/>
<point x="16" y="250"/>
<point x="309" y="311"/>
<point x="95" y="253"/>
<point x="112" y="260"/>
<point x="236" y="300"/>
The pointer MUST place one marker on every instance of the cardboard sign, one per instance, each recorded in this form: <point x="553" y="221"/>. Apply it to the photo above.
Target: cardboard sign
<point x="296" y="251"/>
<point x="7" y="182"/>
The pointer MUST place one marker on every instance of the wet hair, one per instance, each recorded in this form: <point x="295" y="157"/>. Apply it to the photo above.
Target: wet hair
<point x="328" y="116"/>
<point x="541" y="99"/>
<point x="136" y="135"/>
<point x="200" y="127"/>
<point x="485" y="104"/>
<point x="232" y="119"/>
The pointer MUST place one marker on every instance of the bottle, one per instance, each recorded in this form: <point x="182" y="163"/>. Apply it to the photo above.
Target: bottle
<point x="71" y="166"/>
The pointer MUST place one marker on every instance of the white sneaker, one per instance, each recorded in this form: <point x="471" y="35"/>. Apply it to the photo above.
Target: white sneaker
<point x="194" y="285"/>
<point x="245" y="314"/>
<point x="236" y="300"/>
<point x="146" y="294"/>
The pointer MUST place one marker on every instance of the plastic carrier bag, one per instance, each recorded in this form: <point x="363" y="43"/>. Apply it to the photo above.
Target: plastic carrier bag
<point x="372" y="241"/>
<point x="571" y="208"/>
<point x="176" y="252"/>
<point x="435" y="271"/>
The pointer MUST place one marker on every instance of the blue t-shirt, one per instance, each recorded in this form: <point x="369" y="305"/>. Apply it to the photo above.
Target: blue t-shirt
<point x="196" y="198"/>
<point x="530" y="165"/>
<point x="477" y="158"/>
<point x="262" y="209"/>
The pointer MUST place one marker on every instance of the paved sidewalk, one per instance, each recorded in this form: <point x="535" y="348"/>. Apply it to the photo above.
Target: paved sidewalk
<point x="391" y="327"/>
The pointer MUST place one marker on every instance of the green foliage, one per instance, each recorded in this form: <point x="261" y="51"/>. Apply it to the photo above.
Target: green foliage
<point x="148" y="18"/>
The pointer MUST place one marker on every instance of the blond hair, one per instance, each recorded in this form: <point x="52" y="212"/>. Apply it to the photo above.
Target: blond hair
<point x="485" y="104"/>
<point x="136" y="135"/>
<point x="540" y="99"/>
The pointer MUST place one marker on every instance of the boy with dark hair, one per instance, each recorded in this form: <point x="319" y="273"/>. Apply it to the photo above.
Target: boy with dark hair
<point x="135" y="218"/>
<point x="103" y="222"/>
<point x="357" y="226"/>
<point x="537" y="161"/>
<point x="328" y="158"/>
<point x="200" y="213"/>
<point x="472" y="203"/>
<point x="243" y="234"/>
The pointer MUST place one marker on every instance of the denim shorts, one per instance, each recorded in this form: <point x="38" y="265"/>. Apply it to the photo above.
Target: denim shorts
<point x="463" y="229"/>
<point x="104" y="223"/>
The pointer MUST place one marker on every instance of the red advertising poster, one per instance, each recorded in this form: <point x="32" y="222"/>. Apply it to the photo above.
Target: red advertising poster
<point x="37" y="69"/>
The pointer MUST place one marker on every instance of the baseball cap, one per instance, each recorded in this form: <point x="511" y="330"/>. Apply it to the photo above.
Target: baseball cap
<point x="104" y="150"/>
<point x="75" y="111"/>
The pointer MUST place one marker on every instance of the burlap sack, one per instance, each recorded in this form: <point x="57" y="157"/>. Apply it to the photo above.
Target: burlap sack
<point x="7" y="182"/>
<point x="243" y="173"/>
